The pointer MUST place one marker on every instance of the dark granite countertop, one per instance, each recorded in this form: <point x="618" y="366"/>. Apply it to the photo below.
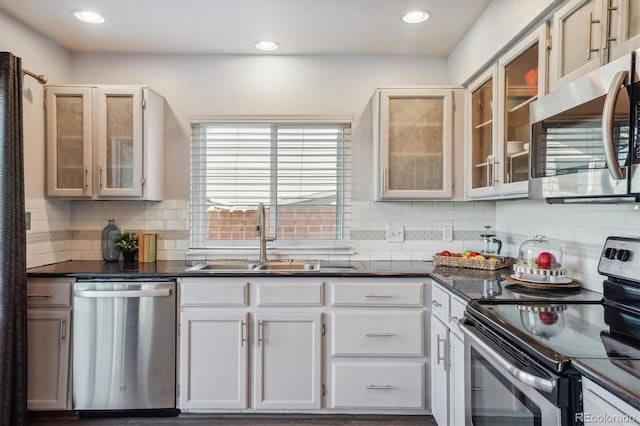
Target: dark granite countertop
<point x="89" y="269"/>
<point x="613" y="376"/>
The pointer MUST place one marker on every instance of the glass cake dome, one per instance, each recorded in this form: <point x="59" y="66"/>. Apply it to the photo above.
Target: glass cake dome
<point x="540" y="261"/>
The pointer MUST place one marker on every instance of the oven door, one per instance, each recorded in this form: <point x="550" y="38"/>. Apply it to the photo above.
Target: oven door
<point x="506" y="389"/>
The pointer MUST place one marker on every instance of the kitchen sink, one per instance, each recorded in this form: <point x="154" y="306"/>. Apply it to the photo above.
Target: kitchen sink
<point x="243" y="266"/>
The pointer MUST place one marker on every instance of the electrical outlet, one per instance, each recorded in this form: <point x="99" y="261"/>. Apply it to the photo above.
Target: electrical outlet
<point x="447" y="233"/>
<point x="395" y="233"/>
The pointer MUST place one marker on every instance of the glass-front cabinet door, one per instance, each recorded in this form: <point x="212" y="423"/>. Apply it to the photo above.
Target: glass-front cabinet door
<point x="119" y="167"/>
<point x="522" y="76"/>
<point x="414" y="142"/>
<point x="69" y="141"/>
<point x="481" y="154"/>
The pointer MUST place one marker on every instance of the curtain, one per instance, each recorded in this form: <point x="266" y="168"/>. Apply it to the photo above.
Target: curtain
<point x="13" y="275"/>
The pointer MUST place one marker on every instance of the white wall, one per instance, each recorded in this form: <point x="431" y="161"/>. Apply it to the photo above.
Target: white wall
<point x="48" y="239"/>
<point x="499" y="23"/>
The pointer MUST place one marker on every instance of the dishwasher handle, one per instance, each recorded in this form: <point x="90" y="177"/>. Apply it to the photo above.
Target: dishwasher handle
<point x="122" y="293"/>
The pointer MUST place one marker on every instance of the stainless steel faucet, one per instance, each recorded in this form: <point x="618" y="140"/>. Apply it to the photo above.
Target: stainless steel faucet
<point x="261" y="232"/>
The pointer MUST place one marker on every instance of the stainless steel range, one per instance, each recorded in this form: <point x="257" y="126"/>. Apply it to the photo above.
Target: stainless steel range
<point x="527" y="358"/>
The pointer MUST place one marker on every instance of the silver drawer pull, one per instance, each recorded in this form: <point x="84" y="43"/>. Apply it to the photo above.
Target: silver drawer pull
<point x="379" y="296"/>
<point x="39" y="295"/>
<point x="455" y="320"/>
<point x="373" y="334"/>
<point x="380" y="387"/>
<point x="436" y="303"/>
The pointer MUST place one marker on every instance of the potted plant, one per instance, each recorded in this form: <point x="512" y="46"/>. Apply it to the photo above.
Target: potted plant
<point x="127" y="243"/>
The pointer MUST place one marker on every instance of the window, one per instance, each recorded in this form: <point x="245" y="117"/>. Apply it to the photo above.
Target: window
<point x="300" y="171"/>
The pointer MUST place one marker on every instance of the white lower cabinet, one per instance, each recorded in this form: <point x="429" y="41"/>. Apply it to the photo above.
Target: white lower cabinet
<point x="213" y="367"/>
<point x="48" y="340"/>
<point x="448" y="369"/>
<point x="288" y="368"/>
<point x="378" y="349"/>
<point x="220" y="331"/>
<point x="601" y="407"/>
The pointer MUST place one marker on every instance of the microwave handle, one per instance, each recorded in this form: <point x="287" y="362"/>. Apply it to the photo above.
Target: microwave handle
<point x="540" y="383"/>
<point x="607" y="125"/>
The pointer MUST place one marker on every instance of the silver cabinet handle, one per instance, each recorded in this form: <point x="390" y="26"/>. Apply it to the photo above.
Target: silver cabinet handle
<point x="607" y="125"/>
<point x="260" y="326"/>
<point x="380" y="387"/>
<point x="607" y="29"/>
<point x="455" y="320"/>
<point x="374" y="334"/>
<point x="379" y="296"/>
<point x="385" y="178"/>
<point x="100" y="177"/>
<point x="39" y="295"/>
<point x="436" y="303"/>
<point x="590" y="36"/>
<point x="86" y="175"/>
<point x="243" y="339"/>
<point x="122" y="293"/>
<point x="540" y="383"/>
<point x="438" y="357"/>
<point x="447" y="354"/>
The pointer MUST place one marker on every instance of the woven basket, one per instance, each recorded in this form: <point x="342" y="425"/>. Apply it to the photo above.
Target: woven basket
<point x="464" y="262"/>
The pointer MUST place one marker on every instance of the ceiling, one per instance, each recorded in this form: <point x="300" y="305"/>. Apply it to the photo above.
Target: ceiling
<point x="301" y="27"/>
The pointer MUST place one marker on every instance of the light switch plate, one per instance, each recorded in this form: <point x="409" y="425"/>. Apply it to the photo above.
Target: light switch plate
<point x="395" y="233"/>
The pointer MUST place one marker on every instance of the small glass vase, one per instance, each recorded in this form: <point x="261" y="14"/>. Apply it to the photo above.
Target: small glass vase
<point x="110" y="234"/>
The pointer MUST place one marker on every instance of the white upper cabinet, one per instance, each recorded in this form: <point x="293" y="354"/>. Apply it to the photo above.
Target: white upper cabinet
<point x="589" y="33"/>
<point x="498" y="133"/>
<point x="413" y="143"/>
<point x="105" y="142"/>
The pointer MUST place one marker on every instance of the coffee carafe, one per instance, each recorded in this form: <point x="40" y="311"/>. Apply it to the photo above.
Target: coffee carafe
<point x="490" y="244"/>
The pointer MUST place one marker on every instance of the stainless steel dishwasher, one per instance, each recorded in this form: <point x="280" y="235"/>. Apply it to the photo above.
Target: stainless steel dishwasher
<point x="124" y="345"/>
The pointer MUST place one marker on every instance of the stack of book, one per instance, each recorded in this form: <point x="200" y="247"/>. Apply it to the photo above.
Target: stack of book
<point x="147" y="247"/>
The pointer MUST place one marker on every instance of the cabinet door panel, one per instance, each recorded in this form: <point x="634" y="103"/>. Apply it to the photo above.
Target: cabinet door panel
<point x="48" y="359"/>
<point x="69" y="142"/>
<point x="577" y="41"/>
<point x="623" y="17"/>
<point x="213" y="353"/>
<point x="457" y="390"/>
<point x="439" y="373"/>
<point x="415" y="144"/>
<point x="119" y="142"/>
<point x="288" y="361"/>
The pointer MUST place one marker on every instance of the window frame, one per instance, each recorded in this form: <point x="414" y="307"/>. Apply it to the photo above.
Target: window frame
<point x="198" y="217"/>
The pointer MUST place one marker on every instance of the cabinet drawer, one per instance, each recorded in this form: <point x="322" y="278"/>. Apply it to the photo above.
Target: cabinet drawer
<point x="206" y="292"/>
<point x="378" y="385"/>
<point x="440" y="303"/>
<point x="49" y="292"/>
<point x="282" y="293"/>
<point x="371" y="293"/>
<point x="378" y="332"/>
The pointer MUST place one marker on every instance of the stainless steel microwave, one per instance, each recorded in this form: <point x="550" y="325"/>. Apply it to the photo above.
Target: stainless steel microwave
<point x="585" y="145"/>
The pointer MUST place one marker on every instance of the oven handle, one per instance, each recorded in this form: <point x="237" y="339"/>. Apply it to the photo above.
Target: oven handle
<point x="607" y="125"/>
<point x="539" y="383"/>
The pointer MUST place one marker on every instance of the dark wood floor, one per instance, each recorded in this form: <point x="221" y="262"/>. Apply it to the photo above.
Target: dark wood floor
<point x="238" y="420"/>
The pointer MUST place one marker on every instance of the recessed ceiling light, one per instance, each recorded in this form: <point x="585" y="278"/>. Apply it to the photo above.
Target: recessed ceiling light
<point x="87" y="16"/>
<point x="267" y="45"/>
<point x="415" y="17"/>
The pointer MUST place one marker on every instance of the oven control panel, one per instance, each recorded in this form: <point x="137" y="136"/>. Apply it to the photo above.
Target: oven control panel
<point x="620" y="258"/>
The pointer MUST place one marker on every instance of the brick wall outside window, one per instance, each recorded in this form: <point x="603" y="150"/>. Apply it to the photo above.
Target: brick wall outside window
<point x="294" y="222"/>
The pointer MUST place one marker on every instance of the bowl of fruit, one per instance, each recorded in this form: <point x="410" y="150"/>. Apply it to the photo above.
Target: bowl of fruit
<point x="471" y="259"/>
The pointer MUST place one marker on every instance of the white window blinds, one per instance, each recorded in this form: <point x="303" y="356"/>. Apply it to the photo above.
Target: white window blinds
<point x="300" y="171"/>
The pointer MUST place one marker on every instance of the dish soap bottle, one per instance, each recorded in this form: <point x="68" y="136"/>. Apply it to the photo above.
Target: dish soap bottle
<point x="110" y="234"/>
